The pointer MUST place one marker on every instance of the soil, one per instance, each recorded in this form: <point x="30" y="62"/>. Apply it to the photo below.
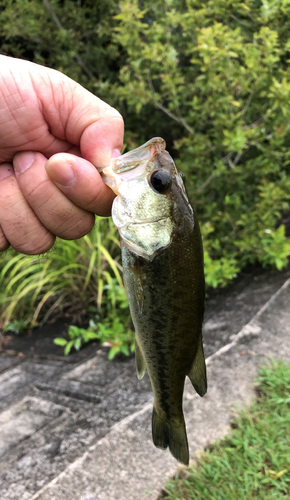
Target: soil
<point x="39" y="343"/>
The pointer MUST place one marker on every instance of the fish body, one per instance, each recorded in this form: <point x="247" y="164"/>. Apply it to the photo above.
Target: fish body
<point x="162" y="260"/>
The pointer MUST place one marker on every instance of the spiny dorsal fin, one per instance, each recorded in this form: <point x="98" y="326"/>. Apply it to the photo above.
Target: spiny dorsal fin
<point x="197" y="373"/>
<point x="140" y="361"/>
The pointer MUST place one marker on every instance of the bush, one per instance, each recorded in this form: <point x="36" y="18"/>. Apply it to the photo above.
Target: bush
<point x="219" y="73"/>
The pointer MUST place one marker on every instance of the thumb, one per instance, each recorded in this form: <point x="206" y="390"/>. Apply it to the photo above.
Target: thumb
<point x="97" y="127"/>
<point x="79" y="117"/>
<point x="103" y="140"/>
<point x="94" y="126"/>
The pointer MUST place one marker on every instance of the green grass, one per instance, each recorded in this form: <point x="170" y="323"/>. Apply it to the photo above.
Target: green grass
<point x="81" y="279"/>
<point x="72" y="277"/>
<point x="254" y="461"/>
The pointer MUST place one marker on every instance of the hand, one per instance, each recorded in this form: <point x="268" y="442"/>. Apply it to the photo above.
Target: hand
<point x="53" y="135"/>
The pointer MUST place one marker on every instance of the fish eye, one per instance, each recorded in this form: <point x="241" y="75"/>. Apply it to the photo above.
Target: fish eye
<point x="160" y="180"/>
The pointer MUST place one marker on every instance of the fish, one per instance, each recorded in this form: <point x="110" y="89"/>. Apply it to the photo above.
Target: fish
<point x="162" y="258"/>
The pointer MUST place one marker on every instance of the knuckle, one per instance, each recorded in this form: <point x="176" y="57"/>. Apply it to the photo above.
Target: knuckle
<point x="77" y="228"/>
<point x="36" y="245"/>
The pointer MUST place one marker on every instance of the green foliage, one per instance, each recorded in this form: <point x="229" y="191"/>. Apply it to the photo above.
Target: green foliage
<point x="16" y="326"/>
<point x="77" y="337"/>
<point x="113" y="326"/>
<point x="118" y="337"/>
<point x="110" y="324"/>
<point x="80" y="278"/>
<point x="212" y="78"/>
<point x="258" y="448"/>
<point x="71" y="36"/>
<point x="220" y="71"/>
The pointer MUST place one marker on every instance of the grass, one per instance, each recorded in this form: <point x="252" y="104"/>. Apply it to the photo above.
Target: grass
<point x="254" y="461"/>
<point x="81" y="279"/>
<point x="71" y="277"/>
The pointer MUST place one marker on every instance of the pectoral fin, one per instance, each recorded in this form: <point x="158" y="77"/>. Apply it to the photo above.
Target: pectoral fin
<point x="197" y="372"/>
<point x="140" y="361"/>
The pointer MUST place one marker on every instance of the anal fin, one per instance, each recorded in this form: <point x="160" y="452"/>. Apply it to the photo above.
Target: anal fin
<point x="140" y="361"/>
<point x="197" y="373"/>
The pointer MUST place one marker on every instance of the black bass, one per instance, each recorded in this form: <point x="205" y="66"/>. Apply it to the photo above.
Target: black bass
<point x="162" y="259"/>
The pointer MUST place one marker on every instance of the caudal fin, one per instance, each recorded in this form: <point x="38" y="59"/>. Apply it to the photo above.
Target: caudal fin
<point x="165" y="434"/>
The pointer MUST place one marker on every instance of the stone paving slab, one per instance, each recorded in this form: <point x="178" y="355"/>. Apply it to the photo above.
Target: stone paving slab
<point x="24" y="418"/>
<point x="6" y="363"/>
<point x="227" y="311"/>
<point x="125" y="464"/>
<point x="31" y="463"/>
<point x="72" y="388"/>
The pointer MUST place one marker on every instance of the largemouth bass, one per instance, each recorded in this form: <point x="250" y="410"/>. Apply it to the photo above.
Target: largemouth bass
<point x="162" y="260"/>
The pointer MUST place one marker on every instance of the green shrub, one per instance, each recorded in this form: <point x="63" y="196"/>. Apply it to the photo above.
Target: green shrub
<point x="71" y="36"/>
<point x="218" y="71"/>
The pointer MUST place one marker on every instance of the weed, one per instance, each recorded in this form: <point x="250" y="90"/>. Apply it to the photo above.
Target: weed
<point x="71" y="277"/>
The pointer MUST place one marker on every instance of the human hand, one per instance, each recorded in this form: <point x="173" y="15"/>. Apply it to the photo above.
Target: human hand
<point x="53" y="133"/>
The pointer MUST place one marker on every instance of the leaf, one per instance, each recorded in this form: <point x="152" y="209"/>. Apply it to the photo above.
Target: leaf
<point x="77" y="343"/>
<point x="92" y="335"/>
<point x="68" y="347"/>
<point x="60" y="341"/>
<point x="113" y="352"/>
<point x="279" y="474"/>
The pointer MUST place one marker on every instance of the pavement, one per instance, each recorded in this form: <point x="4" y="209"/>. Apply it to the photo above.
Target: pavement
<point x="80" y="427"/>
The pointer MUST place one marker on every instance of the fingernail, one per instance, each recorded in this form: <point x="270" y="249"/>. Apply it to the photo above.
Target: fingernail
<point x="116" y="153"/>
<point x="61" y="172"/>
<point x="5" y="171"/>
<point x="103" y="157"/>
<point x="22" y="161"/>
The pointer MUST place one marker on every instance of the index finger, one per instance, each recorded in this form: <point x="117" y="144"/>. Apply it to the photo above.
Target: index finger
<point x="80" y="181"/>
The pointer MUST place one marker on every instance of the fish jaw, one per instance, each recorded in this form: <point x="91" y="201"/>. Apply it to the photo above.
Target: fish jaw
<point x="131" y="164"/>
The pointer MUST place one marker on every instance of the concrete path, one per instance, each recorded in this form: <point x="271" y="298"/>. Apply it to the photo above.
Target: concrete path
<point x="82" y="430"/>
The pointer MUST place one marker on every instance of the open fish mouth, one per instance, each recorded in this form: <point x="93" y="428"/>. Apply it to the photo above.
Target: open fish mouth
<point x="134" y="158"/>
<point x="131" y="164"/>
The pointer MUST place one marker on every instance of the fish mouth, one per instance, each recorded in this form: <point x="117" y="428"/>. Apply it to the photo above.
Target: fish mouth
<point x="134" y="158"/>
<point x="131" y="164"/>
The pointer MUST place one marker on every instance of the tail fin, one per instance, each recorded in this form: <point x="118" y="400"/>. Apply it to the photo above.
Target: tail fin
<point x="165" y="434"/>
